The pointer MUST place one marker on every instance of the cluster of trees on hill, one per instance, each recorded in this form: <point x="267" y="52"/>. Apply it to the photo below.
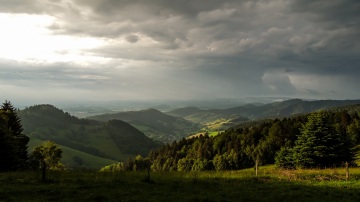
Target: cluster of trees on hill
<point x="320" y="139"/>
<point x="13" y="145"/>
<point x="137" y="164"/>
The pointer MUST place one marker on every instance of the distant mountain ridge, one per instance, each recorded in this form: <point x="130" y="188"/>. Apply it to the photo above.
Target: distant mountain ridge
<point x="115" y="140"/>
<point x="237" y="115"/>
<point x="290" y="107"/>
<point x="153" y="123"/>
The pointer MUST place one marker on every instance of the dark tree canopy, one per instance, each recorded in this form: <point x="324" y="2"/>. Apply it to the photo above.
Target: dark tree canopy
<point x="13" y="143"/>
<point x="321" y="143"/>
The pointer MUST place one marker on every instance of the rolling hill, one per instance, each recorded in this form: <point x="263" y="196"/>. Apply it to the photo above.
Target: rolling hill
<point x="220" y="119"/>
<point x="286" y="108"/>
<point x="153" y="123"/>
<point x="70" y="155"/>
<point x="112" y="140"/>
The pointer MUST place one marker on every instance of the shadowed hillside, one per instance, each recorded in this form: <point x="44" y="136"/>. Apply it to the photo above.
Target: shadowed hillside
<point x="115" y="140"/>
<point x="153" y="123"/>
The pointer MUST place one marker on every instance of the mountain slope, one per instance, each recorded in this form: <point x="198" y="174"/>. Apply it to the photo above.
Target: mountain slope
<point x="46" y="122"/>
<point x="235" y="115"/>
<point x="153" y="123"/>
<point x="287" y="108"/>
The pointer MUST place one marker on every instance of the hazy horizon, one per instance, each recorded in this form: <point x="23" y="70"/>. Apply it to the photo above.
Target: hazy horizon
<point x="89" y="51"/>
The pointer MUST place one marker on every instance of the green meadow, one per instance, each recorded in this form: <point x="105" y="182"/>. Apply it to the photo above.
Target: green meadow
<point x="88" y="161"/>
<point x="271" y="185"/>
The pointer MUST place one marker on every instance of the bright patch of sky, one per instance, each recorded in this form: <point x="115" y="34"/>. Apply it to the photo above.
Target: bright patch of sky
<point x="26" y="38"/>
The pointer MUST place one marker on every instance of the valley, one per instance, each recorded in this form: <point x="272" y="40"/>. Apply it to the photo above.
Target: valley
<point x="100" y="140"/>
<point x="214" y="153"/>
<point x="96" y="143"/>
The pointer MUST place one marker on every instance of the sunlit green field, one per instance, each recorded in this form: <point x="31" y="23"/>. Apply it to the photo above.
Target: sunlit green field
<point x="89" y="161"/>
<point x="271" y="185"/>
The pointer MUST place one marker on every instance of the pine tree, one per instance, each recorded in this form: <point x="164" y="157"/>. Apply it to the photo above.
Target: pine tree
<point x="319" y="145"/>
<point x="12" y="138"/>
<point x="284" y="157"/>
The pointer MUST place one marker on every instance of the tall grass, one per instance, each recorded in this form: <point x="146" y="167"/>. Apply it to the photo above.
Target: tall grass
<point x="242" y="185"/>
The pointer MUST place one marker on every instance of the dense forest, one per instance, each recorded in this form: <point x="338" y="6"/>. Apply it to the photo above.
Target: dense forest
<point x="321" y="139"/>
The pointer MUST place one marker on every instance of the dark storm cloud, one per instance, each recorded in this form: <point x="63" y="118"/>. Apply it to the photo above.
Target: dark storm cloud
<point x="333" y="28"/>
<point x="132" y="38"/>
<point x="236" y="48"/>
<point x="20" y="6"/>
<point x="152" y="8"/>
<point x="340" y="12"/>
<point x="314" y="92"/>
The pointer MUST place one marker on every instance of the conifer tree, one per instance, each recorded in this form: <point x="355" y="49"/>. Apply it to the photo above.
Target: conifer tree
<point x="319" y="145"/>
<point x="13" y="141"/>
<point x="6" y="148"/>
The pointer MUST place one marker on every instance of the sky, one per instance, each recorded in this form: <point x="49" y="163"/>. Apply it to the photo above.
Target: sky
<point x="93" y="50"/>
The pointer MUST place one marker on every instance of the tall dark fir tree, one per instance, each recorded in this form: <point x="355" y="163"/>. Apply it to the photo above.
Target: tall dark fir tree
<point x="13" y="143"/>
<point x="319" y="145"/>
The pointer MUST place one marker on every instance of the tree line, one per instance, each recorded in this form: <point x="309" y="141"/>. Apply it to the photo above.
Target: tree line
<point x="321" y="139"/>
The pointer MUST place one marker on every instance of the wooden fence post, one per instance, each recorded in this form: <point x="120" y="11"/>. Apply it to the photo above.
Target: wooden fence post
<point x="347" y="171"/>
<point x="256" y="166"/>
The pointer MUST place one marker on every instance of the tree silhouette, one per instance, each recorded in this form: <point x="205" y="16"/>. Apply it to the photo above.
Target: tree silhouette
<point x="13" y="142"/>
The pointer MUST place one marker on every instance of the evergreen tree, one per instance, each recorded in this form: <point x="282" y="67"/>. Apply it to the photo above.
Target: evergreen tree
<point x="12" y="140"/>
<point x="319" y="145"/>
<point x="6" y="148"/>
<point x="14" y="122"/>
<point x="284" y="157"/>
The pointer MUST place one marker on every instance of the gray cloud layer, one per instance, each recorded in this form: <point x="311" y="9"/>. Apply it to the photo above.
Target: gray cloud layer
<point x="197" y="49"/>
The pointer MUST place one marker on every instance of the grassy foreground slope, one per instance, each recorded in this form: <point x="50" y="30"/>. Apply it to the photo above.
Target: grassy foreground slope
<point x="271" y="185"/>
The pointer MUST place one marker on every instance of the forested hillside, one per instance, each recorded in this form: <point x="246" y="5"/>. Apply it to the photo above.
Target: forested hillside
<point x="154" y="124"/>
<point x="221" y="119"/>
<point x="115" y="140"/>
<point x="243" y="145"/>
